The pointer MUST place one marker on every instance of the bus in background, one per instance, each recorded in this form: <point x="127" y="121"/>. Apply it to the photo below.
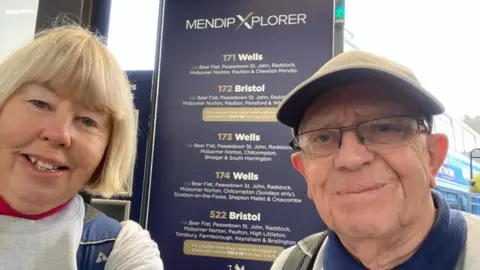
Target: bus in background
<point x="454" y="177"/>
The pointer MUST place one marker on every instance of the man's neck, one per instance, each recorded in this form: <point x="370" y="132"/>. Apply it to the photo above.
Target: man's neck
<point x="391" y="250"/>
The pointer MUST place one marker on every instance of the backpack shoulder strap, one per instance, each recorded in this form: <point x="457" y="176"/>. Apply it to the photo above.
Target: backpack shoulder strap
<point x="98" y="237"/>
<point x="303" y="255"/>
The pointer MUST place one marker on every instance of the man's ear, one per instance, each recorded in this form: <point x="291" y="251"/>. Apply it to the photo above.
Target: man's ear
<point x="437" y="149"/>
<point x="297" y="162"/>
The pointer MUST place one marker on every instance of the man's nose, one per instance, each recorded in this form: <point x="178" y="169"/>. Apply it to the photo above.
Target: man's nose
<point x="57" y="131"/>
<point x="352" y="154"/>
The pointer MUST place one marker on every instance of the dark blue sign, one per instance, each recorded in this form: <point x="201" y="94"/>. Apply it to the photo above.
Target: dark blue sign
<point x="223" y="193"/>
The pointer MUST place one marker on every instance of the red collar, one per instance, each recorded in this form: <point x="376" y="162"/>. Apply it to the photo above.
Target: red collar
<point x="7" y="210"/>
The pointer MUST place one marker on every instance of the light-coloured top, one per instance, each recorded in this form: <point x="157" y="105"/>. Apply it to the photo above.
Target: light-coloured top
<point x="52" y="243"/>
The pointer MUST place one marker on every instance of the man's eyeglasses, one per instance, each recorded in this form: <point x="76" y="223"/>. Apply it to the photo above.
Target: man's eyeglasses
<point x="376" y="134"/>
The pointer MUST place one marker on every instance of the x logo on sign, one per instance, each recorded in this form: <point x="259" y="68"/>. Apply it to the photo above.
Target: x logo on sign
<point x="244" y="21"/>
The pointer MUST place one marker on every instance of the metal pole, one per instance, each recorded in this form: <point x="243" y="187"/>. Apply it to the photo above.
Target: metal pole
<point x="472" y="156"/>
<point x="147" y="178"/>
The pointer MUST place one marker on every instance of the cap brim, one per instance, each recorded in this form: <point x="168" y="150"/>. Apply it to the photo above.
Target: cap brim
<point x="290" y="112"/>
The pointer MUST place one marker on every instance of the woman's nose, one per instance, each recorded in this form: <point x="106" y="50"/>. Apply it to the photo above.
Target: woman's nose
<point x="58" y="131"/>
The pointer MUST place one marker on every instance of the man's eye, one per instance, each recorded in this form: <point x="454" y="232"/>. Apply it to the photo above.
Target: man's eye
<point x="387" y="128"/>
<point x="323" y="138"/>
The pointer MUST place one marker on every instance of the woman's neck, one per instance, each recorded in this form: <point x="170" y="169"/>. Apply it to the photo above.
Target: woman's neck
<point x="7" y="210"/>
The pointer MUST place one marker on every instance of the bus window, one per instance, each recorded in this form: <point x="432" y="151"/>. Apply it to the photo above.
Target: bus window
<point x="464" y="202"/>
<point x="475" y="206"/>
<point x="443" y="125"/>
<point x="452" y="199"/>
<point x="457" y="131"/>
<point x="469" y="139"/>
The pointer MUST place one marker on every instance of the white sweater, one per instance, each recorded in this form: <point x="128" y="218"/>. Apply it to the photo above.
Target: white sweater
<point x="52" y="243"/>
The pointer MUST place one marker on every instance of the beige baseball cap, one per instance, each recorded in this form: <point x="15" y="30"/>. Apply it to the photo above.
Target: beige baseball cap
<point x="350" y="67"/>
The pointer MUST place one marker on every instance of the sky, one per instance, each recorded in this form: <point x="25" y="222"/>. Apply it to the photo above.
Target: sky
<point x="439" y="40"/>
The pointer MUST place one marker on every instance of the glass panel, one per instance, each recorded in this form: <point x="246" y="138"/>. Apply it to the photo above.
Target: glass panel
<point x="132" y="33"/>
<point x="17" y="24"/>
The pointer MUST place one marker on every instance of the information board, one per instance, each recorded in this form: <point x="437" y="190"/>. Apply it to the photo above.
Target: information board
<point x="224" y="194"/>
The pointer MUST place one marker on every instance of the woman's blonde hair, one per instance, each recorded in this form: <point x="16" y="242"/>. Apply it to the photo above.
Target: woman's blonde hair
<point x="71" y="58"/>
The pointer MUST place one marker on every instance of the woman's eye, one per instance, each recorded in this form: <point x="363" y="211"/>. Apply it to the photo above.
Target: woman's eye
<point x="88" y="122"/>
<point x="38" y="103"/>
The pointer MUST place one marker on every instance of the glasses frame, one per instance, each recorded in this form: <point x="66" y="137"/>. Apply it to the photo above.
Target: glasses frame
<point x="422" y="127"/>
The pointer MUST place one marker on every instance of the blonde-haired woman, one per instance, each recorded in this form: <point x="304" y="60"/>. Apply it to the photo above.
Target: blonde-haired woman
<point x="66" y="125"/>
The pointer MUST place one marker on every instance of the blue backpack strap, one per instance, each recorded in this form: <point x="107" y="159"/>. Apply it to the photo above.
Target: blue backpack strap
<point x="98" y="237"/>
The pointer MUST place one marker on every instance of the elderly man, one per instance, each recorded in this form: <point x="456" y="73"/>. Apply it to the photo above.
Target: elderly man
<point x="362" y="128"/>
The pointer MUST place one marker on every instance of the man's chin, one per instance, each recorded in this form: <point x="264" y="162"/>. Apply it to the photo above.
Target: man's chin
<point x="361" y="226"/>
<point x="364" y="232"/>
